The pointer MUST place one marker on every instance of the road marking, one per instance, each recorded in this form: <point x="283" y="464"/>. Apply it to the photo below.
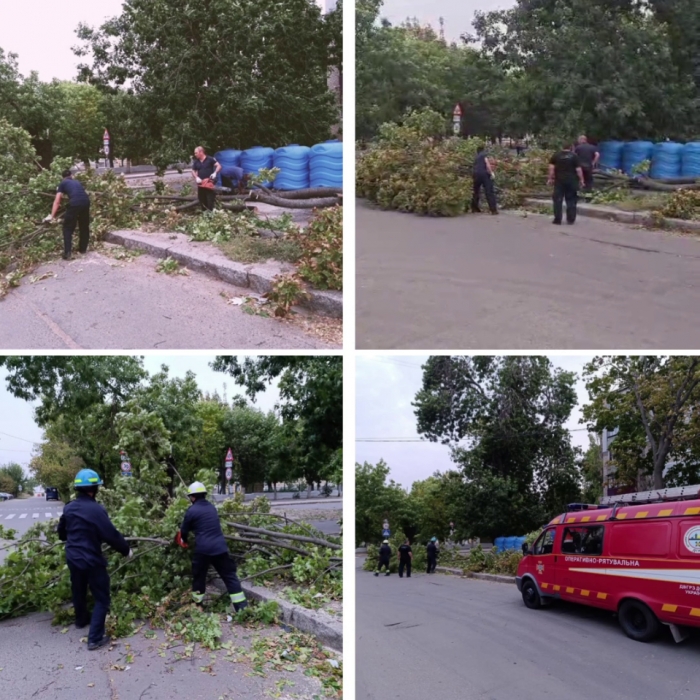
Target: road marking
<point x="53" y="326"/>
<point x="23" y="515"/>
<point x="48" y="515"/>
<point x="35" y="515"/>
<point x="10" y="516"/>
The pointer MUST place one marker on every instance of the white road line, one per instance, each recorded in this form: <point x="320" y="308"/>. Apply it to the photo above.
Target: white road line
<point x="48" y="515"/>
<point x="23" y="515"/>
<point x="35" y="515"/>
<point x="10" y="516"/>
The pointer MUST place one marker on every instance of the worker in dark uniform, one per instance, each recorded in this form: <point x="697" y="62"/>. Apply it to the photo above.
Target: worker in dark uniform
<point x="84" y="526"/>
<point x="210" y="547"/>
<point x="405" y="557"/>
<point x="483" y="176"/>
<point x="566" y="175"/>
<point x="233" y="177"/>
<point x="77" y="213"/>
<point x="588" y="156"/>
<point x="432" y="555"/>
<point x="384" y="558"/>
<point x="205" y="170"/>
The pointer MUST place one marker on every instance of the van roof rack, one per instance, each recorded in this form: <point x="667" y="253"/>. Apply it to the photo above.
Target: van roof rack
<point x="679" y="493"/>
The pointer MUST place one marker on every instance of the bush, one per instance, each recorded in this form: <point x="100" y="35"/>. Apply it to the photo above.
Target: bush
<point x="492" y="562"/>
<point x="321" y="243"/>
<point x="682" y="204"/>
<point x="420" y="557"/>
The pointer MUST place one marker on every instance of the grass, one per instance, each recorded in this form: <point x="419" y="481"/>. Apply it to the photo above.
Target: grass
<point x="247" y="249"/>
<point x="641" y="201"/>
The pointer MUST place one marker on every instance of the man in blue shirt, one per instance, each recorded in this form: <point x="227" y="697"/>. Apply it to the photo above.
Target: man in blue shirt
<point x="77" y="213"/>
<point x="231" y="174"/>
<point x="84" y="526"/>
<point x="210" y="548"/>
<point x="204" y="171"/>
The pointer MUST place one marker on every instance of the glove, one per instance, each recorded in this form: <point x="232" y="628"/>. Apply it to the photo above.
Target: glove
<point x="179" y="540"/>
<point x="493" y="176"/>
<point x="130" y="554"/>
<point x="199" y="180"/>
<point x="48" y="219"/>
<point x="212" y="177"/>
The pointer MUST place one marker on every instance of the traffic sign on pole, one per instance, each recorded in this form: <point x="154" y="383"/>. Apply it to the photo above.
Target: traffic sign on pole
<point x="125" y="464"/>
<point x="457" y="111"/>
<point x="229" y="474"/>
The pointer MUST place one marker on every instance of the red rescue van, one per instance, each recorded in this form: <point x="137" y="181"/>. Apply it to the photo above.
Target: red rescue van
<point x="637" y="555"/>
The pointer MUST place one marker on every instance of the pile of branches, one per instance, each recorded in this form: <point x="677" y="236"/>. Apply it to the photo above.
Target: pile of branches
<point x="156" y="581"/>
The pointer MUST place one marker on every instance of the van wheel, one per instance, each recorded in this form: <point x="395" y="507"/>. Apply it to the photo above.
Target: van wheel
<point x="638" y="621"/>
<point x="531" y="596"/>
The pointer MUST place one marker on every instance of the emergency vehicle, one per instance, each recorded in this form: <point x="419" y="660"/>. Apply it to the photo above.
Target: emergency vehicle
<point x="637" y="555"/>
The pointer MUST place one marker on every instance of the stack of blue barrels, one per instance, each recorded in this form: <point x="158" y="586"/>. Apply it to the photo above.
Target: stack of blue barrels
<point x="634" y="152"/>
<point x="666" y="160"/>
<point x="503" y="544"/>
<point x="326" y="164"/>
<point x="611" y="155"/>
<point x="690" y="160"/>
<point x="293" y="162"/>
<point x="256" y="158"/>
<point x="228" y="158"/>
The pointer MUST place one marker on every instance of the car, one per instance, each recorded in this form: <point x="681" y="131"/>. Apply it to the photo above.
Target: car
<point x="52" y="494"/>
<point x="5" y="496"/>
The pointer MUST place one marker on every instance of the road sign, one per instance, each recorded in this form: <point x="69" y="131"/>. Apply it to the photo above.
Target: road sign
<point x="457" y="111"/>
<point x="106" y="137"/>
<point x="229" y="474"/>
<point x="456" y="128"/>
<point x="386" y="533"/>
<point x="125" y="463"/>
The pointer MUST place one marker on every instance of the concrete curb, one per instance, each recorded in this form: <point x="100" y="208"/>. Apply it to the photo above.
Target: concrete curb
<point x="470" y="574"/>
<point x="640" y="218"/>
<point x="207" y="259"/>
<point x="327" y="629"/>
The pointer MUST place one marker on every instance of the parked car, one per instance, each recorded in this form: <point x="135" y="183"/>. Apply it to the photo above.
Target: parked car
<point x="5" y="496"/>
<point x="52" y="494"/>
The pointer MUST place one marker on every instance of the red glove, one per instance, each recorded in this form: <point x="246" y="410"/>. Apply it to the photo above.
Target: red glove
<point x="178" y="540"/>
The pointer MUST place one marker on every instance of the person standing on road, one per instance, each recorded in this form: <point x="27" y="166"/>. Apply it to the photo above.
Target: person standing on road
<point x="483" y="176"/>
<point x="405" y="557"/>
<point x="565" y="174"/>
<point x="210" y="547"/>
<point x="588" y="156"/>
<point x="77" y="213"/>
<point x="84" y="526"/>
<point x="432" y="549"/>
<point x="384" y="558"/>
<point x="204" y="171"/>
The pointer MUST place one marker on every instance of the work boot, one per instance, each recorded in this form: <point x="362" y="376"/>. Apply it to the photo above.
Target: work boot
<point x="376" y="573"/>
<point x="97" y="645"/>
<point x="80" y="624"/>
<point x="66" y="257"/>
<point x="556" y="223"/>
<point x="387" y="573"/>
<point x="240" y="606"/>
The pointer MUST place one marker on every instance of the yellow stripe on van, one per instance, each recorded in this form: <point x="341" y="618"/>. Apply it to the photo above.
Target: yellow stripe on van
<point x="692" y="511"/>
<point x="569" y="590"/>
<point x="544" y="585"/>
<point x="669" y="608"/>
<point x="602" y="596"/>
<point x="642" y="514"/>
<point x="585" y="518"/>
<point x="556" y="588"/>
<point x="622" y="516"/>
<point x="601" y="517"/>
<point x="586" y="593"/>
<point x="665" y="511"/>
<point x="571" y="520"/>
<point x="695" y="612"/>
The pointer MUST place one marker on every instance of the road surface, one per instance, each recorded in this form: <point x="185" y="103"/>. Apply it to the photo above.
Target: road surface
<point x="21" y="513"/>
<point x="97" y="302"/>
<point x="510" y="281"/>
<point x="445" y="637"/>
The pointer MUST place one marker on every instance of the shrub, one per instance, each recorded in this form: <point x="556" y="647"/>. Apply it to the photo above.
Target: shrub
<point x="682" y="204"/>
<point x="321" y="243"/>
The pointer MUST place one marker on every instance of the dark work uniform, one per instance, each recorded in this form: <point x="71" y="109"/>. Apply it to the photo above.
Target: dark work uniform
<point x="204" y="169"/>
<point x="77" y="213"/>
<point x="405" y="560"/>
<point x="210" y="548"/>
<point x="482" y="178"/>
<point x="432" y="557"/>
<point x="566" y="184"/>
<point x="384" y="558"/>
<point x="233" y="176"/>
<point x="586" y="153"/>
<point x="84" y="526"/>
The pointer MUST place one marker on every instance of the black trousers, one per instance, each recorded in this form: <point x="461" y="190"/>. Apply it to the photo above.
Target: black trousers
<point x="383" y="563"/>
<point x="432" y="563"/>
<point x="96" y="579"/>
<point x="406" y="564"/>
<point x="588" y="178"/>
<point x="79" y="216"/>
<point x="565" y="191"/>
<point x="206" y="197"/>
<point x="485" y="181"/>
<point x="223" y="565"/>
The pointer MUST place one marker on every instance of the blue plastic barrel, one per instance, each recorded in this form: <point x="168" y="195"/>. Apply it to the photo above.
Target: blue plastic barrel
<point x="610" y="155"/>
<point x="666" y="160"/>
<point x="690" y="159"/>
<point x="634" y="152"/>
<point x="253" y="159"/>
<point x="326" y="164"/>
<point x="293" y="162"/>
<point x="498" y="544"/>
<point x="229" y="156"/>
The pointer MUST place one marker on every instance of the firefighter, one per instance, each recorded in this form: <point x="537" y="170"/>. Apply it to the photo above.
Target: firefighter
<point x="566" y="175"/>
<point x="384" y="557"/>
<point x="210" y="547"/>
<point x="483" y="176"/>
<point x="84" y="526"/>
<point x="405" y="557"/>
<point x="77" y="213"/>
<point x="204" y="171"/>
<point x="432" y="555"/>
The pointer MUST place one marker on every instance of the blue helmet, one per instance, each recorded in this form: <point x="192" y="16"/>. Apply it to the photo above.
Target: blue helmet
<point x="87" y="477"/>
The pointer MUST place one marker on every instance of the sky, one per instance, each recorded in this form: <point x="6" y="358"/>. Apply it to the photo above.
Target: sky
<point x="458" y="14"/>
<point x="19" y="432"/>
<point x="385" y="386"/>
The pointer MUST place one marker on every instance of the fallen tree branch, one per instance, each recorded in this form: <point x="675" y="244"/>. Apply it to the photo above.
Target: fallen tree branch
<point x="267" y="571"/>
<point x="294" y="204"/>
<point x="284" y="535"/>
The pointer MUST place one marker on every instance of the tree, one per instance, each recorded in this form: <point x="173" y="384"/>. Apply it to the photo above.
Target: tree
<point x="20" y="480"/>
<point x="7" y="483"/>
<point x="653" y="402"/>
<point x="219" y="73"/>
<point x="592" y="470"/>
<point x="55" y="463"/>
<point x="434" y="503"/>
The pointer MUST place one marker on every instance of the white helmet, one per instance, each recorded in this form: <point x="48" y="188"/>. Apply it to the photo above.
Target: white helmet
<point x="195" y="488"/>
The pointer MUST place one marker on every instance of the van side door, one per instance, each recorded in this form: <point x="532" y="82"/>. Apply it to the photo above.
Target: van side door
<point x="543" y="567"/>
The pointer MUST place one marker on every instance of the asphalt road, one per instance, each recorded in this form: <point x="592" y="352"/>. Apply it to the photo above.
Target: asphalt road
<point x="486" y="282"/>
<point x="97" y="302"/>
<point x="444" y="637"/>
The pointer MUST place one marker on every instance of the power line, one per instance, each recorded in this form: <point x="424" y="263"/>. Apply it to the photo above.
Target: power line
<point x="31" y="442"/>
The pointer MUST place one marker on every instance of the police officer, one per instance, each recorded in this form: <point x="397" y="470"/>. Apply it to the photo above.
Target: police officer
<point x="210" y="547"/>
<point x="405" y="557"/>
<point x="483" y="176"/>
<point x="384" y="557"/>
<point x="84" y="526"/>
<point x="566" y="175"/>
<point x="432" y="550"/>
<point x="204" y="171"/>
<point x="77" y="213"/>
<point x="588" y="156"/>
